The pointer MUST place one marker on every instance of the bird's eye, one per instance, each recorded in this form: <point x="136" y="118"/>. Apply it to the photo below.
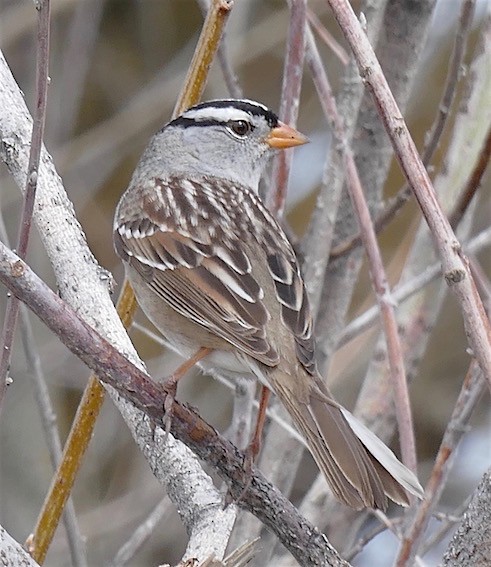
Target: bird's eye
<point x="240" y="127"/>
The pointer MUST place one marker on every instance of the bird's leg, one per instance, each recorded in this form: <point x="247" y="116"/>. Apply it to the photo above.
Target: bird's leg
<point x="170" y="385"/>
<point x="254" y="447"/>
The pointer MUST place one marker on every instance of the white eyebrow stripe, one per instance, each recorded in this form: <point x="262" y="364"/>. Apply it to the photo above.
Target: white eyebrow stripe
<point x="219" y="114"/>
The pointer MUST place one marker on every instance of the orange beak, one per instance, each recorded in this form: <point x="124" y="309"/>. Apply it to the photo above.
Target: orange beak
<point x="284" y="136"/>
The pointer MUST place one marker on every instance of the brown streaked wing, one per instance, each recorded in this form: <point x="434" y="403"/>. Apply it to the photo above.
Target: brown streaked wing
<point x="210" y="284"/>
<point x="290" y="290"/>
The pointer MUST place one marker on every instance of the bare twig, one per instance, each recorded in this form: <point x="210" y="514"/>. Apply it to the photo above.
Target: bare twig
<point x="471" y="391"/>
<point x="472" y="184"/>
<point x="141" y="534"/>
<point x="455" y="264"/>
<point x="453" y="75"/>
<point x="327" y="38"/>
<point x="304" y="541"/>
<point x="448" y="523"/>
<point x="381" y="288"/>
<point x="405" y="290"/>
<point x="42" y="63"/>
<point x="78" y="50"/>
<point x="84" y="286"/>
<point x="229" y="74"/>
<point x="367" y="538"/>
<point x="204" y="54"/>
<point x="436" y="130"/>
<point x="332" y="210"/>
<point x="48" y="420"/>
<point x="318" y="239"/>
<point x="290" y="98"/>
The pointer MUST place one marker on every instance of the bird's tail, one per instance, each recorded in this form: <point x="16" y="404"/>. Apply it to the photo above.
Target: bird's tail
<point x="360" y="469"/>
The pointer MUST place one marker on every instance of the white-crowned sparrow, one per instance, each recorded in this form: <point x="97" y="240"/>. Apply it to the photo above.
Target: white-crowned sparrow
<point x="212" y="268"/>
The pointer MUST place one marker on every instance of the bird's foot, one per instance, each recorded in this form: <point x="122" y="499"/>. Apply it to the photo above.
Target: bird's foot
<point x="247" y="463"/>
<point x="170" y="391"/>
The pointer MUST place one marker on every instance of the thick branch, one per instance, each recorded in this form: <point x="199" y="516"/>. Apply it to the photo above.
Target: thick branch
<point x="471" y="545"/>
<point x="303" y="540"/>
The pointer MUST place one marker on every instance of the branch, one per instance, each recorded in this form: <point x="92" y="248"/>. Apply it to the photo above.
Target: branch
<point x="204" y="54"/>
<point x="470" y="546"/>
<point x="471" y="391"/>
<point x="379" y="283"/>
<point x="290" y="99"/>
<point x="400" y="45"/>
<point x="436" y="130"/>
<point x="407" y="289"/>
<point x="76" y="542"/>
<point x="304" y="541"/>
<point x="13" y="554"/>
<point x="455" y="264"/>
<point x="80" y="280"/>
<point x="91" y="403"/>
<point x="329" y="205"/>
<point x="42" y="62"/>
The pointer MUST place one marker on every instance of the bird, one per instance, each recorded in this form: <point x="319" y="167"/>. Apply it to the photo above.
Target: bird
<point x="215" y="273"/>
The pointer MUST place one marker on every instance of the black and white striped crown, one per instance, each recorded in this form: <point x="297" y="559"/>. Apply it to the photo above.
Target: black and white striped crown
<point x="222" y="111"/>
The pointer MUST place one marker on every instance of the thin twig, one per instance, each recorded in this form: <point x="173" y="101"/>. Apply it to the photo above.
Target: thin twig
<point x="327" y="37"/>
<point x="93" y="397"/>
<point x="290" y="98"/>
<point x="472" y="184"/>
<point x="127" y="551"/>
<point x="403" y="291"/>
<point x="381" y="288"/>
<point x="48" y="420"/>
<point x="436" y="130"/>
<point x="472" y="389"/>
<point x="204" y="54"/>
<point x="330" y="290"/>
<point x="448" y="522"/>
<point x="78" y="50"/>
<point x="258" y="496"/>
<point x="42" y="63"/>
<point x="455" y="264"/>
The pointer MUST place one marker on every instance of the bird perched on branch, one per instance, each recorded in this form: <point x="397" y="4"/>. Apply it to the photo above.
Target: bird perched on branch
<point x="215" y="273"/>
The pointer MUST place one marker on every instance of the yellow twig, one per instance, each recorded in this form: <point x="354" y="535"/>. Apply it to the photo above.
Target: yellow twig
<point x="93" y="397"/>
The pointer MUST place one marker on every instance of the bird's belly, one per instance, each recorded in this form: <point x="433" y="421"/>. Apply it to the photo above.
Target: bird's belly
<point x="225" y="363"/>
<point x="186" y="337"/>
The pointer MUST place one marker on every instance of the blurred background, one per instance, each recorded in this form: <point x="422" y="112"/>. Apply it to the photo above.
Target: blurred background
<point x="116" y="68"/>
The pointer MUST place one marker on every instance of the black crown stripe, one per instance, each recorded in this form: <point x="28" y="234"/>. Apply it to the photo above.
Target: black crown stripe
<point x="245" y="106"/>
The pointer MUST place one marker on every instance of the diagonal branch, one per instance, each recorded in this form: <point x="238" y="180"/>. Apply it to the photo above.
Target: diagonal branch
<point x="436" y="130"/>
<point x="303" y="540"/>
<point x="379" y="280"/>
<point x="472" y="389"/>
<point x="454" y="262"/>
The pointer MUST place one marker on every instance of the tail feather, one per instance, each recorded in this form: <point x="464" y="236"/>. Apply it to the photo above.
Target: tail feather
<point x="326" y="461"/>
<point x="357" y="471"/>
<point x="385" y="457"/>
<point x="360" y="469"/>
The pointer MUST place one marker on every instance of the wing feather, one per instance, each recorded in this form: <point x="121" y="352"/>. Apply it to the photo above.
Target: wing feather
<point x="186" y="239"/>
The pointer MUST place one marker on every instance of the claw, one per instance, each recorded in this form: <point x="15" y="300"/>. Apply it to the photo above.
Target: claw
<point x="170" y="389"/>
